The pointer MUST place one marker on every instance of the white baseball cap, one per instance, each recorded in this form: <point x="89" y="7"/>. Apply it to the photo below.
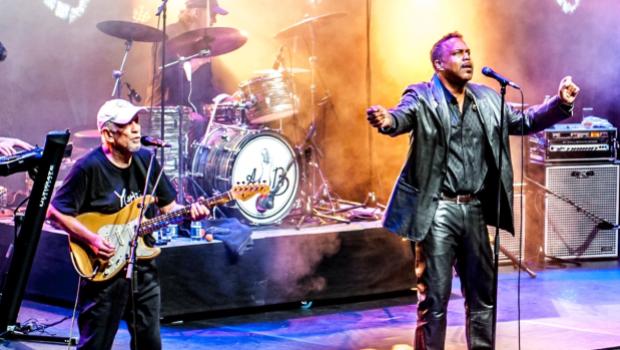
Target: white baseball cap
<point x="118" y="111"/>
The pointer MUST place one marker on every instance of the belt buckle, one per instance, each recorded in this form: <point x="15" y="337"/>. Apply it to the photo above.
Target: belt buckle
<point x="463" y="198"/>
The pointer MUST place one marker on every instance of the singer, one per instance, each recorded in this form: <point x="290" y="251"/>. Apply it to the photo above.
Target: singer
<point x="104" y="181"/>
<point x="446" y="193"/>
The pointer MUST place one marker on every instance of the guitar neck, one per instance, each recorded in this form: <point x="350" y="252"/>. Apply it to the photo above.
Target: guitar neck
<point x="176" y="216"/>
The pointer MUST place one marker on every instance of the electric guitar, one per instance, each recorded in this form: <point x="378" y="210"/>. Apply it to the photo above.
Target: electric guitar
<point x="119" y="229"/>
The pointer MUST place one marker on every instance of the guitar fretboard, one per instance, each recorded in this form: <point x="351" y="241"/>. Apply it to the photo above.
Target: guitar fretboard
<point x="176" y="216"/>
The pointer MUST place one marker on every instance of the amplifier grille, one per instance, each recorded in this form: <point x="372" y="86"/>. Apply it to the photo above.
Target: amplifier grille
<point x="569" y="233"/>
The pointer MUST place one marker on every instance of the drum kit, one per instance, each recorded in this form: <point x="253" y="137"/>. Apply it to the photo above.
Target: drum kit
<point x="237" y="145"/>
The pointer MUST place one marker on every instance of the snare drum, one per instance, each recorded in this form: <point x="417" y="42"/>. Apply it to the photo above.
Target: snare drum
<point x="229" y="155"/>
<point x="271" y="97"/>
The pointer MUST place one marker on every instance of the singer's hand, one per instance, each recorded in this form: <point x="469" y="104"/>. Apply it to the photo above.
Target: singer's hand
<point x="198" y="211"/>
<point x="379" y="117"/>
<point x="568" y="90"/>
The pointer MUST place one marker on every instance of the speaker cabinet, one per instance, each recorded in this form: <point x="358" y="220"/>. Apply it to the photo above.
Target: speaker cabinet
<point x="570" y="232"/>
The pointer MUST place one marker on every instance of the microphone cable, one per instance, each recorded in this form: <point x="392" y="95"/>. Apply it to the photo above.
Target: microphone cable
<point x="522" y="218"/>
<point x="75" y="306"/>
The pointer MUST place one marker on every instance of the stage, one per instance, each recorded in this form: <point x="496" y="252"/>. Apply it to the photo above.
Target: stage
<point x="282" y="266"/>
<point x="574" y="308"/>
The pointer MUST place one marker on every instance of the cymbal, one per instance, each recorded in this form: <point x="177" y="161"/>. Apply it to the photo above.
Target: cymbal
<point x="294" y="29"/>
<point x="131" y="31"/>
<point x="218" y="40"/>
<point x="291" y="71"/>
<point x="87" y="134"/>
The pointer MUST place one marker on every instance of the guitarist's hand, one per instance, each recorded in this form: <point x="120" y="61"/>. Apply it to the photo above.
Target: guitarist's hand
<point x="198" y="211"/>
<point x="102" y="248"/>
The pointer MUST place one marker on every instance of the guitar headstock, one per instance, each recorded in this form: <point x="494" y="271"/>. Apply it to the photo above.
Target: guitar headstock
<point x="244" y="192"/>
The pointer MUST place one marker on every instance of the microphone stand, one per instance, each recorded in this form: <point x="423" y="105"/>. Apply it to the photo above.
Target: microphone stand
<point x="163" y="11"/>
<point x="496" y="243"/>
<point x="132" y="273"/>
<point x="131" y="260"/>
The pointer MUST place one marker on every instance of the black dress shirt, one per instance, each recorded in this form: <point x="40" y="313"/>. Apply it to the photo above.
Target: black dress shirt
<point x="466" y="166"/>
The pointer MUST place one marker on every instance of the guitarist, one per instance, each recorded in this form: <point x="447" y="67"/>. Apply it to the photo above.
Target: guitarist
<point x="104" y="181"/>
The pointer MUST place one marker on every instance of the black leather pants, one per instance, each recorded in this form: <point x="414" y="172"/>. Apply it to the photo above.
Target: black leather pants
<point x="458" y="237"/>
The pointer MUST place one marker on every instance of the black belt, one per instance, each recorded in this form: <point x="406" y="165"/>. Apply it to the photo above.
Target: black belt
<point x="458" y="199"/>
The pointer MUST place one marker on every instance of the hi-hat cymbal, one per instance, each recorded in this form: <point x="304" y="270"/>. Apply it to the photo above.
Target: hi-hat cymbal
<point x="131" y="31"/>
<point x="294" y="29"/>
<point x="218" y="40"/>
<point x="291" y="71"/>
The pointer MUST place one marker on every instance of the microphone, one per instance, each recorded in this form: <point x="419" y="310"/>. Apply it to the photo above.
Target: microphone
<point x="187" y="68"/>
<point x="492" y="74"/>
<point x="133" y="94"/>
<point x="278" y="62"/>
<point x="3" y="52"/>
<point x="264" y="202"/>
<point x="154" y="142"/>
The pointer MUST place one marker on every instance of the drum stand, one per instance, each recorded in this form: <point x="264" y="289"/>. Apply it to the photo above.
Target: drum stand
<point x="314" y="198"/>
<point x="117" y="74"/>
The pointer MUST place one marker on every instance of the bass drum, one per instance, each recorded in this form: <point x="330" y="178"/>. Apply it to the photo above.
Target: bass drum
<point x="229" y="155"/>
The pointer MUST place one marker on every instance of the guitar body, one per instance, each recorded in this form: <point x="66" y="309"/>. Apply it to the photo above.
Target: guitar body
<point x="118" y="229"/>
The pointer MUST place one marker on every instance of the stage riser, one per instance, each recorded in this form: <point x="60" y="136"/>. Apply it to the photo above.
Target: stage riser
<point x="200" y="277"/>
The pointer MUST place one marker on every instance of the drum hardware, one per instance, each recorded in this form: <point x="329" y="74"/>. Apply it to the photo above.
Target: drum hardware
<point x="282" y="70"/>
<point x="314" y="197"/>
<point x="183" y="59"/>
<point x="217" y="40"/>
<point x="307" y="22"/>
<point x="131" y="32"/>
<point x="176" y="131"/>
<point x="309" y="151"/>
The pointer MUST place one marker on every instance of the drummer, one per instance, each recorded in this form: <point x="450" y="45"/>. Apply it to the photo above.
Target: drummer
<point x="193" y="16"/>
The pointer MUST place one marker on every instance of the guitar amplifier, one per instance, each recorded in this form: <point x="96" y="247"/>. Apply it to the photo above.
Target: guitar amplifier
<point x="574" y="143"/>
<point x="569" y="231"/>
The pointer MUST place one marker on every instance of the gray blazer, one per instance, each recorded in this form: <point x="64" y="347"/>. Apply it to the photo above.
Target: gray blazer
<point x="423" y="113"/>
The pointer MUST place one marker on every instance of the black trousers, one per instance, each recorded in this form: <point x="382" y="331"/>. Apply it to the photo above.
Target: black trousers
<point x="104" y="304"/>
<point x="458" y="237"/>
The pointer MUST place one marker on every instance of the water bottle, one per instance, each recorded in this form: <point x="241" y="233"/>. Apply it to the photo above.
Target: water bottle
<point x="173" y="231"/>
<point x="195" y="231"/>
<point x="160" y="237"/>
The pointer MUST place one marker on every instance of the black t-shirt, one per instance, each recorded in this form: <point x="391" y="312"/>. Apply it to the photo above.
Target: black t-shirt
<point x="94" y="184"/>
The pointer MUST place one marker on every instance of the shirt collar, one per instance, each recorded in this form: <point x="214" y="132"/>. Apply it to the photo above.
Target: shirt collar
<point x="449" y="97"/>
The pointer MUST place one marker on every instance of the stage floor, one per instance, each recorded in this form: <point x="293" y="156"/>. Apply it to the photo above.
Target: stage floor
<point x="568" y="308"/>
